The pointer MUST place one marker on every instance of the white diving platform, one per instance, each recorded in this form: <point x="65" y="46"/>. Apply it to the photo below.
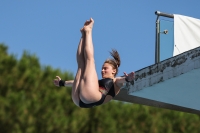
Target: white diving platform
<point x="171" y="84"/>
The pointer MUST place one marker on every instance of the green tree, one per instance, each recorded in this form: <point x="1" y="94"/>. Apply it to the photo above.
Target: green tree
<point x="30" y="103"/>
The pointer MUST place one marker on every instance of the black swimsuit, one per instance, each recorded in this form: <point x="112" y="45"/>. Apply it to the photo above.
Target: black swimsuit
<point x="106" y="86"/>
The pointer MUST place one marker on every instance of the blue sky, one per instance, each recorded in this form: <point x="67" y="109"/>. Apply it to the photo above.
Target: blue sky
<point x="50" y="29"/>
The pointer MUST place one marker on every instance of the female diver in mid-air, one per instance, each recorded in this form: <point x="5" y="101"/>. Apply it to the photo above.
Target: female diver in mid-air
<point x="87" y="90"/>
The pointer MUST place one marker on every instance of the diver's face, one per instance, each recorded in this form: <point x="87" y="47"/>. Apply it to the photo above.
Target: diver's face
<point x="107" y="71"/>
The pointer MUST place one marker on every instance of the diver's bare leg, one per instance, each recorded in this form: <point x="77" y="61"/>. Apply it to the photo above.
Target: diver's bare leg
<point x="81" y="65"/>
<point x="89" y="88"/>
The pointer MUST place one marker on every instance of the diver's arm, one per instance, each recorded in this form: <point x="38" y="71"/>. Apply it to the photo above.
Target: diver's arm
<point x="59" y="82"/>
<point x="126" y="78"/>
<point x="69" y="83"/>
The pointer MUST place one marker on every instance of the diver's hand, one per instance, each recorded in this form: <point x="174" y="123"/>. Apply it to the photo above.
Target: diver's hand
<point x="56" y="81"/>
<point x="129" y="77"/>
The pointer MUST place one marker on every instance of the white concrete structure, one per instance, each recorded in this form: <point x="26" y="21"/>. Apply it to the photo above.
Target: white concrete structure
<point x="172" y="84"/>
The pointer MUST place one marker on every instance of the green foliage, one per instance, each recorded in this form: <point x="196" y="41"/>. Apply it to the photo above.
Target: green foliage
<point x="30" y="103"/>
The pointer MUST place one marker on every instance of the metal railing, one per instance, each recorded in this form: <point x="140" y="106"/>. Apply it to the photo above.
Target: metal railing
<point x="157" y="45"/>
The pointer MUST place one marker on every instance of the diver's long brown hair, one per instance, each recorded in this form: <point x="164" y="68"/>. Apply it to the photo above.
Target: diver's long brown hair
<point x="114" y="61"/>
